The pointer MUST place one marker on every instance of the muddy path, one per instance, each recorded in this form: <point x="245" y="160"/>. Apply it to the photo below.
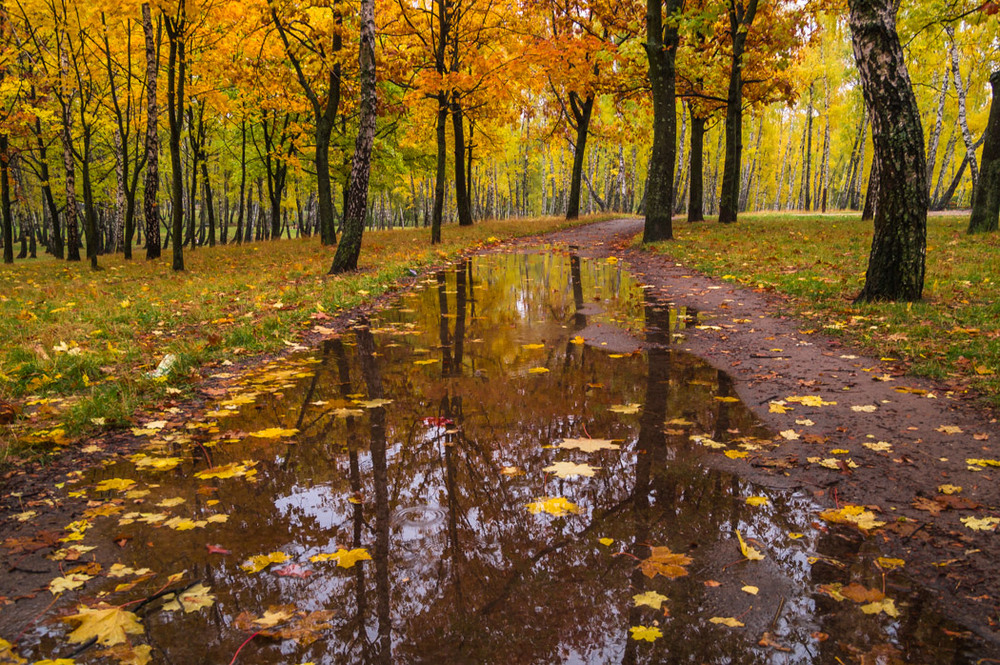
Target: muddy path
<point x="564" y="450"/>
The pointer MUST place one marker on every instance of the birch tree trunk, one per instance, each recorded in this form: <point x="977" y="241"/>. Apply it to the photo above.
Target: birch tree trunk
<point x="932" y="145"/>
<point x="963" y="120"/>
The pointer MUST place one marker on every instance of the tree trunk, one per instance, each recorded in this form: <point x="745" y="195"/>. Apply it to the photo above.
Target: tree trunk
<point x="442" y="148"/>
<point x="740" y="19"/>
<point x="986" y="197"/>
<point x="935" y="138"/>
<point x="349" y="248"/>
<point x="582" y="111"/>
<point x="963" y="122"/>
<point x="5" y="207"/>
<point x="661" y="50"/>
<point x="151" y="184"/>
<point x="461" y="183"/>
<point x="896" y="262"/>
<point x="176" y="77"/>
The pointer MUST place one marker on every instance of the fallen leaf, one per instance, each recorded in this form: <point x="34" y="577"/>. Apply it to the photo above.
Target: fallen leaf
<point x="193" y="599"/>
<point x="124" y="654"/>
<point x="949" y="489"/>
<point x="809" y="400"/>
<point x="649" y="599"/>
<point x="373" y="403"/>
<point x="627" y="409"/>
<point x="860" y="594"/>
<point x="887" y="605"/>
<point x="865" y="408"/>
<point x="571" y="469"/>
<point x="70" y="581"/>
<point x="557" y="506"/>
<point x="981" y="524"/>
<point x="274" y="433"/>
<point x="120" y="484"/>
<point x="662" y="561"/>
<point x="949" y="429"/>
<point x="606" y="541"/>
<point x="648" y="633"/>
<point x="727" y="621"/>
<point x="749" y="552"/>
<point x="588" y="445"/>
<point x="344" y="558"/>
<point x="292" y="570"/>
<point x="850" y="514"/>
<point x="109" y="625"/>
<point x="257" y="563"/>
<point x="889" y="564"/>
<point x="757" y="500"/>
<point x="750" y="589"/>
<point x="538" y="370"/>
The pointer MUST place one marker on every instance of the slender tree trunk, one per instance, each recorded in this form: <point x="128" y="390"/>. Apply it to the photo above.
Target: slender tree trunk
<point x="461" y="184"/>
<point x="740" y="19"/>
<point x="661" y="50"/>
<point x="355" y="211"/>
<point x="5" y="207"/>
<point x="986" y="197"/>
<point x="896" y="263"/>
<point x="176" y="76"/>
<point x="963" y="121"/>
<point x="151" y="206"/>
<point x="696" y="198"/>
<point x="582" y="111"/>
<point x="935" y="138"/>
<point x="442" y="148"/>
<point x="807" y="200"/>
<point x="89" y="209"/>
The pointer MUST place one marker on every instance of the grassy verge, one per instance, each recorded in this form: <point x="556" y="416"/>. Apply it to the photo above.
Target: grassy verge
<point x="79" y="346"/>
<point x="819" y="261"/>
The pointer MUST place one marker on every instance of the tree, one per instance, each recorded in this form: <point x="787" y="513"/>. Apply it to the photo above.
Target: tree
<point x="896" y="262"/>
<point x="986" y="197"/>
<point x="176" y="26"/>
<point x="662" y="38"/>
<point x="356" y="208"/>
<point x="151" y="184"/>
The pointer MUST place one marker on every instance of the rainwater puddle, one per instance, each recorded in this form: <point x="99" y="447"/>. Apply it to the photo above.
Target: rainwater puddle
<point x="478" y="476"/>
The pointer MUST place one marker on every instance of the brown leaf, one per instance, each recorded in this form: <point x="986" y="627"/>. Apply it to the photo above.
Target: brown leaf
<point x="662" y="561"/>
<point x="860" y="594"/>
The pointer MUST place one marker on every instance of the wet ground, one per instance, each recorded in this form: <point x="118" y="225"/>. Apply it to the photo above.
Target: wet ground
<point x="517" y="462"/>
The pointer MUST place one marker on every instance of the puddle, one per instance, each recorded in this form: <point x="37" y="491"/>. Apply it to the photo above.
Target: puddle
<point x="416" y="447"/>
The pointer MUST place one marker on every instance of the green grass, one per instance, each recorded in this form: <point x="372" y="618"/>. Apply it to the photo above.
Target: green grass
<point x="78" y="345"/>
<point x="819" y="262"/>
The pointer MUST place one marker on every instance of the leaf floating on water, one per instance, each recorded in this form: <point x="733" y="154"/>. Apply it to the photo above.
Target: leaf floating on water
<point x="109" y="625"/>
<point x="649" y="599"/>
<point x="589" y="445"/>
<point x="606" y="541"/>
<point x="344" y="558"/>
<point x="70" y="581"/>
<point x="427" y="361"/>
<point x="757" y="500"/>
<point x="143" y="461"/>
<point x="124" y="654"/>
<point x="749" y="552"/>
<point x="889" y="564"/>
<point x="886" y="605"/>
<point x="727" y="399"/>
<point x="662" y="561"/>
<point x="293" y="570"/>
<point x="557" y="505"/>
<point x="231" y="470"/>
<point x="627" y="409"/>
<point x="274" y="433"/>
<point x="374" y="403"/>
<point x="196" y="598"/>
<point x="736" y="454"/>
<point x="257" y="563"/>
<point x="538" y="370"/>
<point x="532" y="347"/>
<point x="850" y="514"/>
<point x="648" y="633"/>
<point x="119" y="484"/>
<point x="727" y="621"/>
<point x="571" y="469"/>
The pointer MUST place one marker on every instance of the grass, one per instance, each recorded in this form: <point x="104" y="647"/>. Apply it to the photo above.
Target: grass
<point x="78" y="345"/>
<point x="819" y="262"/>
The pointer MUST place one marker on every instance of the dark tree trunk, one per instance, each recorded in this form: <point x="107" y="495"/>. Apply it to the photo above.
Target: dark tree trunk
<point x="740" y="18"/>
<point x="442" y="152"/>
<point x="986" y="197"/>
<point x="868" y="212"/>
<point x="89" y="210"/>
<point x="461" y="183"/>
<point x="209" y="205"/>
<point x="5" y="207"/>
<point x="661" y="50"/>
<point x="582" y="111"/>
<point x="896" y="263"/>
<point x="349" y="248"/>
<point x="176" y="76"/>
<point x="696" y="197"/>
<point x="151" y="184"/>
<point x="243" y="182"/>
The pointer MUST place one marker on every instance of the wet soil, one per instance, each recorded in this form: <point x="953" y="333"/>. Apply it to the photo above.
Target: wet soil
<point x="480" y="549"/>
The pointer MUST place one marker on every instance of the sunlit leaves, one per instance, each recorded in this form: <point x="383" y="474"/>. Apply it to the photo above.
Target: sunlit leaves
<point x="661" y="561"/>
<point x="7" y="655"/>
<point x="557" y="506"/>
<point x="109" y="625"/>
<point x="627" y="409"/>
<point x="115" y="484"/>
<point x="809" y="400"/>
<point x="143" y="461"/>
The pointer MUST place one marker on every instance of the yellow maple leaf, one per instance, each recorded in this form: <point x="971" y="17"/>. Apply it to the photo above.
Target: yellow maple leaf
<point x="809" y="400"/>
<point x="124" y="654"/>
<point x="627" y="409"/>
<point x="557" y="505"/>
<point x="170" y="503"/>
<point x="231" y="470"/>
<point x="108" y="624"/>
<point x="949" y="429"/>
<point x="885" y="605"/>
<point x="649" y="599"/>
<point x="606" y="541"/>
<point x="70" y="581"/>
<point x="749" y="552"/>
<point x="850" y="514"/>
<point x="981" y="524"/>
<point x="119" y="484"/>
<point x="778" y="407"/>
<point x="257" y="563"/>
<point x="757" y="500"/>
<point x="949" y="489"/>
<point x="570" y="469"/>
<point x="589" y="445"/>
<point x="648" y="633"/>
<point x="728" y="621"/>
<point x="7" y="655"/>
<point x="736" y="454"/>
<point x="197" y="597"/>
<point x="662" y="561"/>
<point x="274" y="433"/>
<point x="344" y="558"/>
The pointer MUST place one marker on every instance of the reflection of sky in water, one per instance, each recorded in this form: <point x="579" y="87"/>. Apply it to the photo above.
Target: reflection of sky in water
<point x="470" y="575"/>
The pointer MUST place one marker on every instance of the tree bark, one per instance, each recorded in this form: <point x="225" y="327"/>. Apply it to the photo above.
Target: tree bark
<point x="986" y="196"/>
<point x="5" y="207"/>
<point x="442" y="149"/>
<point x="661" y="50"/>
<point x="963" y="121"/>
<point x="349" y="248"/>
<point x="935" y="138"/>
<point x="740" y="19"/>
<point x="896" y="262"/>
<point x="582" y="111"/>
<point x="176" y="76"/>
<point x="462" y="199"/>
<point x="696" y="198"/>
<point x="151" y="184"/>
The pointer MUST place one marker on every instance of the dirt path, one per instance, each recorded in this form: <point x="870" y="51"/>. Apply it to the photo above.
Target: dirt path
<point x="931" y="433"/>
<point x="917" y="440"/>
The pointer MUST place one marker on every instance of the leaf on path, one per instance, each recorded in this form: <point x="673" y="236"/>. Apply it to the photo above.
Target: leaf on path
<point x="728" y="621"/>
<point x="949" y="429"/>
<point x="589" y="445"/>
<point x="257" y="563"/>
<point x="648" y="633"/>
<point x="344" y="558"/>
<point x="949" y="489"/>
<point x="749" y="552"/>
<point x="851" y="514"/>
<point x="789" y="435"/>
<point x="70" y="581"/>
<point x="571" y="469"/>
<point x="809" y="400"/>
<point x="981" y="524"/>
<point x="649" y="599"/>
<point x="865" y="408"/>
<point x="880" y="447"/>
<point x="750" y="589"/>
<point x="779" y="407"/>
<point x="196" y="598"/>
<point x="662" y="561"/>
<point x="108" y="624"/>
<point x="556" y="505"/>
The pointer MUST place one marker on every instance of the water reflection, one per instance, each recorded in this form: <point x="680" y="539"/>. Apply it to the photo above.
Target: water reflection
<point x="489" y="365"/>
